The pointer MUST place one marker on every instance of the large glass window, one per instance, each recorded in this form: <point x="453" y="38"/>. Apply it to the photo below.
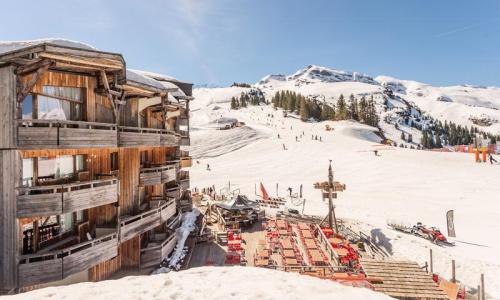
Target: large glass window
<point x="67" y="222"/>
<point x="28" y="107"/>
<point x="55" y="167"/>
<point x="60" y="103"/>
<point x="27" y="172"/>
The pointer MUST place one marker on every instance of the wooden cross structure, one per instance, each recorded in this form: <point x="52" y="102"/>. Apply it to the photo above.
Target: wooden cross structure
<point x="329" y="190"/>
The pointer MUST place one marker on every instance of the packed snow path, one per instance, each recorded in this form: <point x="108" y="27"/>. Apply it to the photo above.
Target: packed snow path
<point x="401" y="184"/>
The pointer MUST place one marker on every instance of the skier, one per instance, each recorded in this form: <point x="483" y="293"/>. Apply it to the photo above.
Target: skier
<point x="290" y="190"/>
<point x="296" y="139"/>
<point x="316" y="137"/>
<point x="492" y="159"/>
<point x="320" y="139"/>
<point x="208" y="167"/>
<point x="375" y="152"/>
<point x="278" y="135"/>
<point x="284" y="148"/>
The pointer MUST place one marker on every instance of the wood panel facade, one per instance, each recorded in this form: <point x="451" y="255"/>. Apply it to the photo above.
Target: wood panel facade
<point x="97" y="217"/>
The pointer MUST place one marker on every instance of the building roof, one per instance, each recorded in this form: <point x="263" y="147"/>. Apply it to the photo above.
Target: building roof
<point x="11" y="46"/>
<point x="237" y="202"/>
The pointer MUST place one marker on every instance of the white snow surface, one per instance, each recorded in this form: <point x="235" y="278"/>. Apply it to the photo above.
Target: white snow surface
<point x="187" y="226"/>
<point x="208" y="283"/>
<point x="400" y="184"/>
<point x="8" y="46"/>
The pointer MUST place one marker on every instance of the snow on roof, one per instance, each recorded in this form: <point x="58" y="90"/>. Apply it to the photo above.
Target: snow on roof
<point x="207" y="283"/>
<point x="138" y="77"/>
<point x="9" y="46"/>
<point x="156" y="76"/>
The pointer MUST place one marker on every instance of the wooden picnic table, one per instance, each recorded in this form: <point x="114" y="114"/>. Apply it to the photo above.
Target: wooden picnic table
<point x="291" y="262"/>
<point x="307" y="234"/>
<point x="263" y="254"/>
<point x="288" y="253"/>
<point x="281" y="224"/>
<point x="335" y="241"/>
<point x="303" y="226"/>
<point x="341" y="251"/>
<point x="316" y="256"/>
<point x="310" y="244"/>
<point x="283" y="232"/>
<point x="286" y="244"/>
<point x="262" y="262"/>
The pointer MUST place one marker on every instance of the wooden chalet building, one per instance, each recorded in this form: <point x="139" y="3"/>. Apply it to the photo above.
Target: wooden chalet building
<point x="92" y="178"/>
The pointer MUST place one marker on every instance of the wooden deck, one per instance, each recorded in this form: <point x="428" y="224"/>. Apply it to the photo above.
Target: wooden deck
<point x="402" y="279"/>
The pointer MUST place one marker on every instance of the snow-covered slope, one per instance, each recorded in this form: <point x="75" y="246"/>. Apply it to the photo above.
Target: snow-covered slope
<point x="401" y="184"/>
<point x="464" y="104"/>
<point x="207" y="283"/>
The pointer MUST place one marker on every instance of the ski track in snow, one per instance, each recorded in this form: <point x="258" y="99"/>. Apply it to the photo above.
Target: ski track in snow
<point x="402" y="184"/>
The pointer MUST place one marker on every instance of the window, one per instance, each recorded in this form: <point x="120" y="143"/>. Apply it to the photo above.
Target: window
<point x="27" y="172"/>
<point x="80" y="161"/>
<point x="67" y="222"/>
<point x="28" y="107"/>
<point x="60" y="103"/>
<point x="114" y="161"/>
<point x="55" y="167"/>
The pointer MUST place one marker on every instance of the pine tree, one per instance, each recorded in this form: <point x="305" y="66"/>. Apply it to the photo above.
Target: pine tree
<point x="352" y="110"/>
<point x="341" y="109"/>
<point x="233" y="103"/>
<point x="304" y="110"/>
<point x="363" y="110"/>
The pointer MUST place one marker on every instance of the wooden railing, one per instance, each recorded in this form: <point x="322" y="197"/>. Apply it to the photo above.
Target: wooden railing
<point x="158" y="175"/>
<point x="32" y="134"/>
<point x="159" y="212"/>
<point x="138" y="136"/>
<point x="323" y="241"/>
<point x="57" y="265"/>
<point x="155" y="253"/>
<point x="184" y="180"/>
<point x="59" y="199"/>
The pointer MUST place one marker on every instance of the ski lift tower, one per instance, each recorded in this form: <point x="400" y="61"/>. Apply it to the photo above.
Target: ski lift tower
<point x="329" y="190"/>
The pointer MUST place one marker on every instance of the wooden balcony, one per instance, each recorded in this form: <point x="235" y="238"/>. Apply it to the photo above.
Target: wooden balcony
<point x="183" y="121"/>
<point x="159" y="211"/>
<point x="50" y="200"/>
<point x="58" y="264"/>
<point x="158" y="175"/>
<point x="173" y="192"/>
<point x="185" y="141"/>
<point x="157" y="251"/>
<point x="52" y="134"/>
<point x="137" y="136"/>
<point x="184" y="180"/>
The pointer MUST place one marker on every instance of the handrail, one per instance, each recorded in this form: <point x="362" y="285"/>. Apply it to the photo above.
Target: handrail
<point x="329" y="248"/>
<point x="145" y="130"/>
<point x="68" y="250"/>
<point x="160" y="246"/>
<point x="151" y="211"/>
<point x="67" y="185"/>
<point x="158" y="169"/>
<point x="26" y="122"/>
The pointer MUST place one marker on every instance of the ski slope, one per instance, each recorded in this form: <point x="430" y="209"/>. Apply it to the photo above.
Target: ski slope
<point x="400" y="184"/>
<point x="207" y="283"/>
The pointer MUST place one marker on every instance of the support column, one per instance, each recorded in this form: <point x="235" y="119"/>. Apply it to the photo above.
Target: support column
<point x="9" y="174"/>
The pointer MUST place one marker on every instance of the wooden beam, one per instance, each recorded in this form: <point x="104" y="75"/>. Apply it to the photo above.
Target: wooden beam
<point x="33" y="67"/>
<point x="25" y="89"/>
<point x="82" y="61"/>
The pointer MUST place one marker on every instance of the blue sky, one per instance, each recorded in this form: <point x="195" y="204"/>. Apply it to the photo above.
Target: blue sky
<point x="220" y="41"/>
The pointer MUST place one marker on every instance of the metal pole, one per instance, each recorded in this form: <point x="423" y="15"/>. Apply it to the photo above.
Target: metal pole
<point x="479" y="292"/>
<point x="276" y="190"/>
<point x="303" y="205"/>
<point x="332" y="220"/>
<point x="431" y="261"/>
<point x="453" y="278"/>
<point x="300" y="191"/>
<point x="483" y="292"/>
<point x="229" y="185"/>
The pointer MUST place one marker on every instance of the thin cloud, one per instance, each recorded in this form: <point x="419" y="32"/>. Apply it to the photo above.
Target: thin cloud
<point x="458" y="30"/>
